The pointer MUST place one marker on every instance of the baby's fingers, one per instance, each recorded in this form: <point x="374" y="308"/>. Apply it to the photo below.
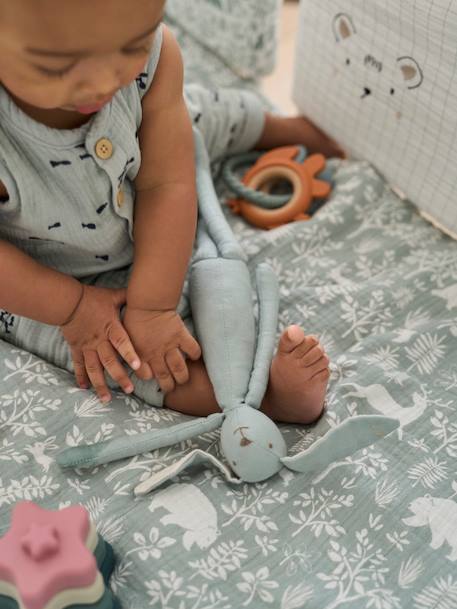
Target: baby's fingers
<point x="120" y="340"/>
<point x="144" y="372"/>
<point x="109" y="359"/>
<point x="162" y="374"/>
<point x="80" y="369"/>
<point x="177" y="366"/>
<point x="97" y="377"/>
<point x="190" y="346"/>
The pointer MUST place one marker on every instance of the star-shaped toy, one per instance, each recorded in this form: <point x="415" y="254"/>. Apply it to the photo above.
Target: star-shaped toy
<point x="41" y="541"/>
<point x="45" y="553"/>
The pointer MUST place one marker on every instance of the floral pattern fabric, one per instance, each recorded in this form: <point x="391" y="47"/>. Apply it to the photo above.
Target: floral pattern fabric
<point x="377" y="529"/>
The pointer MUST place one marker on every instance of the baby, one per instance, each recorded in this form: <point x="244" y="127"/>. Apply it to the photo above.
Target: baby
<point x="98" y="204"/>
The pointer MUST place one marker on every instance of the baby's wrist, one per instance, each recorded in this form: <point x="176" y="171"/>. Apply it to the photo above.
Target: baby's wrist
<point x="149" y="309"/>
<point x="75" y="304"/>
<point x="141" y="301"/>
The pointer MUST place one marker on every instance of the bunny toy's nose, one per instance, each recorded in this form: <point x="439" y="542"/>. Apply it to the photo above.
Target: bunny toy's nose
<point x="366" y="92"/>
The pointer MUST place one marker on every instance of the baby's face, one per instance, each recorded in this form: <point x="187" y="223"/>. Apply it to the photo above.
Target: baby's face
<point x="74" y="54"/>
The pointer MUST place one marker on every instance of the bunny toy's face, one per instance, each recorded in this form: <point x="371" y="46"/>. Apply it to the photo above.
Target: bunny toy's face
<point x="252" y="444"/>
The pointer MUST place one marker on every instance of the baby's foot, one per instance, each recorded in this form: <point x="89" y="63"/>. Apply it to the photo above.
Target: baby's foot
<point x="314" y="139"/>
<point x="289" y="131"/>
<point x="298" y="379"/>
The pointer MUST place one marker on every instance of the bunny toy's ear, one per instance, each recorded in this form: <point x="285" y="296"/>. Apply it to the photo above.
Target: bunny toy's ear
<point x="343" y="27"/>
<point x="341" y="442"/>
<point x="411" y="72"/>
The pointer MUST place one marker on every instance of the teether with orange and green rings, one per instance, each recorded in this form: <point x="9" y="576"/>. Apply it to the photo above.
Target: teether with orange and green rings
<point x="278" y="165"/>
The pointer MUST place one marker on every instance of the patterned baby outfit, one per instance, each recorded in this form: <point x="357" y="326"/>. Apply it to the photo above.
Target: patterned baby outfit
<point x="71" y="192"/>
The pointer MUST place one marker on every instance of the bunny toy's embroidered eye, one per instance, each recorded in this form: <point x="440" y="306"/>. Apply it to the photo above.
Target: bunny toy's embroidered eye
<point x="392" y="91"/>
<point x="348" y="62"/>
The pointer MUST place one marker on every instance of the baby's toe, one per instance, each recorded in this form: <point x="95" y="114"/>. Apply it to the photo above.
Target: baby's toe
<point x="322" y="376"/>
<point x="320" y="366"/>
<point x="309" y="343"/>
<point x="290" y="339"/>
<point x="313" y="355"/>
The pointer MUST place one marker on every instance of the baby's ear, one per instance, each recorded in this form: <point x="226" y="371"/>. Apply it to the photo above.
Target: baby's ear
<point x="343" y="27"/>
<point x="411" y="72"/>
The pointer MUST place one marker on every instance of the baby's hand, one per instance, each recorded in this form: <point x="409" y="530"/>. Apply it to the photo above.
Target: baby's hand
<point x="161" y="339"/>
<point x="96" y="336"/>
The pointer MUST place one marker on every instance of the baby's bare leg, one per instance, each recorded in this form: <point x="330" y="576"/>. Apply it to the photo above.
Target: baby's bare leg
<point x="296" y="390"/>
<point x="196" y="397"/>
<point x="285" y="131"/>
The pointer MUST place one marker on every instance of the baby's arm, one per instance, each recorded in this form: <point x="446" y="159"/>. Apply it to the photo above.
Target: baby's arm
<point x="35" y="291"/>
<point x="164" y="225"/>
<point x="166" y="202"/>
<point x="87" y="316"/>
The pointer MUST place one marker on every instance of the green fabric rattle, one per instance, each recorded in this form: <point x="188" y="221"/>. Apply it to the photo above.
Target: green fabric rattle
<point x="238" y="365"/>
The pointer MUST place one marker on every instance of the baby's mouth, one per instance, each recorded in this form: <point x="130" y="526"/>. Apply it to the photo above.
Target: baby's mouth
<point x="89" y="108"/>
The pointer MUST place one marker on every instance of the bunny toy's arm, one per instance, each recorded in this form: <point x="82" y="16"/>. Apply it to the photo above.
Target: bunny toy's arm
<point x="91" y="455"/>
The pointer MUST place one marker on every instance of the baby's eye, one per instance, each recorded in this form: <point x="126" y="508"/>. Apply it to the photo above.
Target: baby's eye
<point x="144" y="48"/>
<point x="55" y="73"/>
<point x="138" y="50"/>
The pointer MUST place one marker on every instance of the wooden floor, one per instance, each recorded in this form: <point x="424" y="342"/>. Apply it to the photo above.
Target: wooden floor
<point x="278" y="86"/>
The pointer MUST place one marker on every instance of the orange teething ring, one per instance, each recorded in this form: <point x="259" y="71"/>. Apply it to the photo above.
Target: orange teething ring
<point x="276" y="165"/>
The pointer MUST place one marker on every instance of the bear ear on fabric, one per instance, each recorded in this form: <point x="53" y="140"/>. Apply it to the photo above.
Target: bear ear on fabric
<point x="411" y="72"/>
<point x="343" y="27"/>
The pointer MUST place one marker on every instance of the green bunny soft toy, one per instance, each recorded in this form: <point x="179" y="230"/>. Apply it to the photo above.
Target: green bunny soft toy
<point x="238" y="365"/>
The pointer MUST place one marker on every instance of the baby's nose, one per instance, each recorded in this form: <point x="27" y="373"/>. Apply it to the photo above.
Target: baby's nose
<point x="107" y="83"/>
<point x="101" y="80"/>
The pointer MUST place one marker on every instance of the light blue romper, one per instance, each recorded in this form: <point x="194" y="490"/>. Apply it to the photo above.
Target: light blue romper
<point x="71" y="192"/>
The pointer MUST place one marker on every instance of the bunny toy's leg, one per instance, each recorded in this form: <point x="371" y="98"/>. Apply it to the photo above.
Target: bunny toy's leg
<point x="268" y="297"/>
<point x="214" y="222"/>
<point x="221" y="295"/>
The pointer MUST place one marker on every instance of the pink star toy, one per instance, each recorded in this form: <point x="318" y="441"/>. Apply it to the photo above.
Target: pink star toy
<point x="54" y="560"/>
